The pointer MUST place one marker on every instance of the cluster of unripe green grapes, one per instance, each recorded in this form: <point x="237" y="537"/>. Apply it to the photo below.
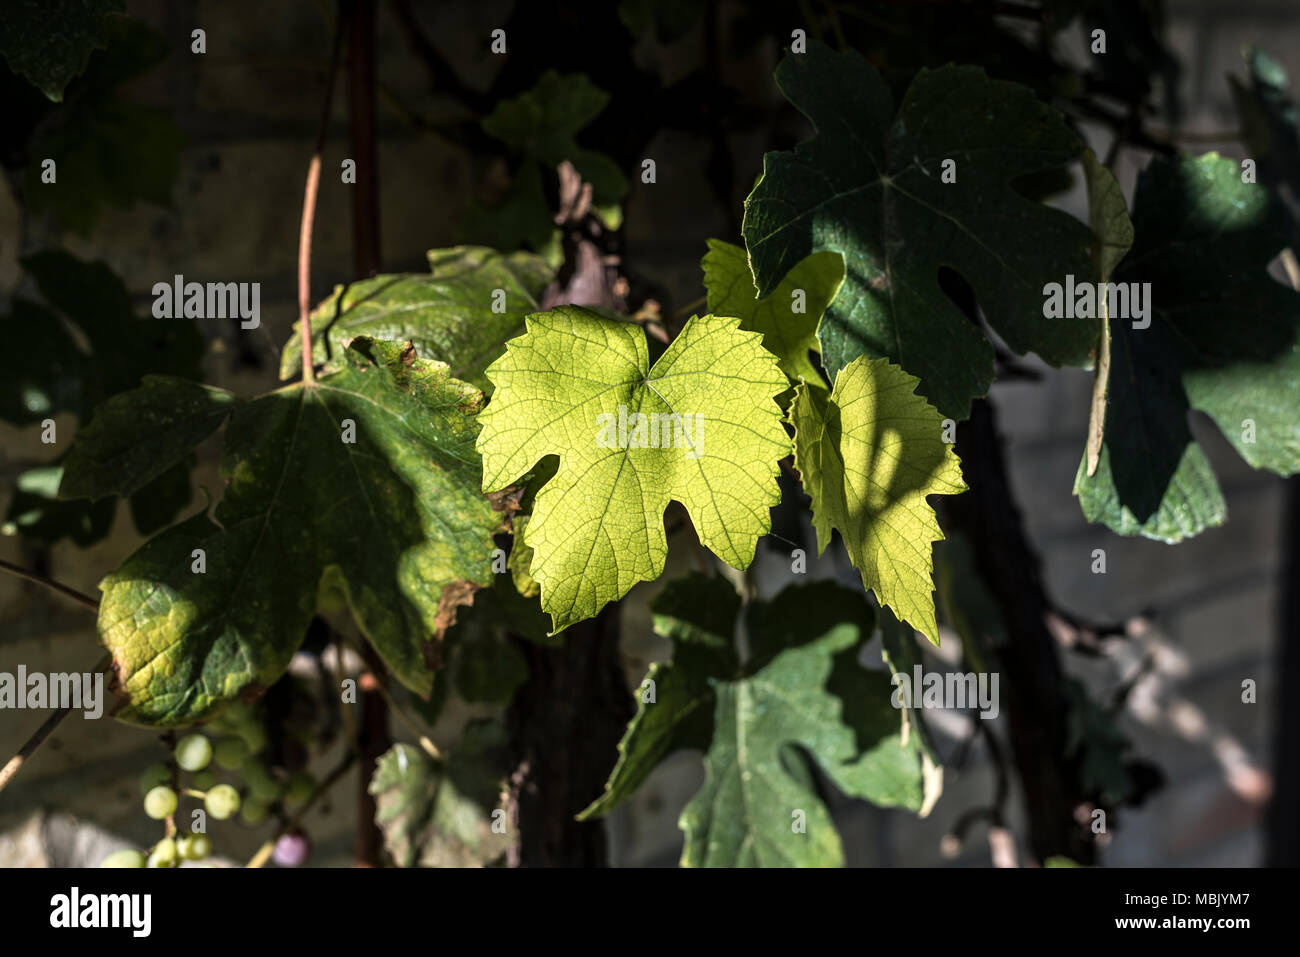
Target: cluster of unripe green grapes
<point x="239" y="749"/>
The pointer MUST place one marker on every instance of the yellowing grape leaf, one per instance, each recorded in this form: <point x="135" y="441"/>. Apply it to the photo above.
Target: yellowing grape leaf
<point x="365" y="482"/>
<point x="788" y="317"/>
<point x="701" y="427"/>
<point x="869" y="454"/>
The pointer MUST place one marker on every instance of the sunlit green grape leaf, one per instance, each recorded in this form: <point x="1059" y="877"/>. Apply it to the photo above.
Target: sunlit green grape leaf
<point x="870" y="186"/>
<point x="707" y="433"/>
<point x="869" y="454"/>
<point x="366" y="481"/>
<point x="453" y="314"/>
<point x="50" y="41"/>
<point x="801" y="686"/>
<point x="787" y="334"/>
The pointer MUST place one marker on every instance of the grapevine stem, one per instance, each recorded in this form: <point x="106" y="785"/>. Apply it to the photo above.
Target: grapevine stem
<point x="309" y="214"/>
<point x="15" y="763"/>
<point x="429" y="747"/>
<point x="51" y="584"/>
<point x="169" y="738"/>
<point x="348" y="720"/>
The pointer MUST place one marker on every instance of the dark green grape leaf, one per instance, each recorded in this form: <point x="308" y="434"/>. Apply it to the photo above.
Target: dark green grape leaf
<point x="393" y="519"/>
<point x="124" y="347"/>
<point x="1270" y="121"/>
<point x="108" y="150"/>
<point x="156" y="504"/>
<point x="50" y="41"/>
<point x="489" y="670"/>
<point x="448" y="314"/>
<point x="1099" y="745"/>
<point x="540" y="127"/>
<point x="53" y="372"/>
<point x="670" y="20"/>
<point x="1139" y="60"/>
<point x="965" y="603"/>
<point x="122" y="153"/>
<point x="442" y="813"/>
<point x="801" y="687"/>
<point x="503" y="608"/>
<point x="1224" y="338"/>
<point x="37" y="514"/>
<point x="41" y="365"/>
<point x="1152" y="479"/>
<point x="519" y="217"/>
<point x="542" y="124"/>
<point x="484" y="664"/>
<point x="136" y="436"/>
<point x="869" y="186"/>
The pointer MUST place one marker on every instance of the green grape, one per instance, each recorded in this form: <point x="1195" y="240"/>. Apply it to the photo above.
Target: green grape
<point x="160" y="802"/>
<point x="301" y="787"/>
<point x="164" y="854"/>
<point x="231" y="752"/>
<point x="254" y="736"/>
<point x="194" y="847"/>
<point x="261" y="783"/>
<point x="254" y="813"/>
<point x="125" y="858"/>
<point x="222" y="801"/>
<point x="193" y="752"/>
<point x="154" y="775"/>
<point x="204" y="780"/>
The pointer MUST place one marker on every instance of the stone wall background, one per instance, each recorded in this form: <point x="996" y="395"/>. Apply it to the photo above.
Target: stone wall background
<point x="249" y="109"/>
